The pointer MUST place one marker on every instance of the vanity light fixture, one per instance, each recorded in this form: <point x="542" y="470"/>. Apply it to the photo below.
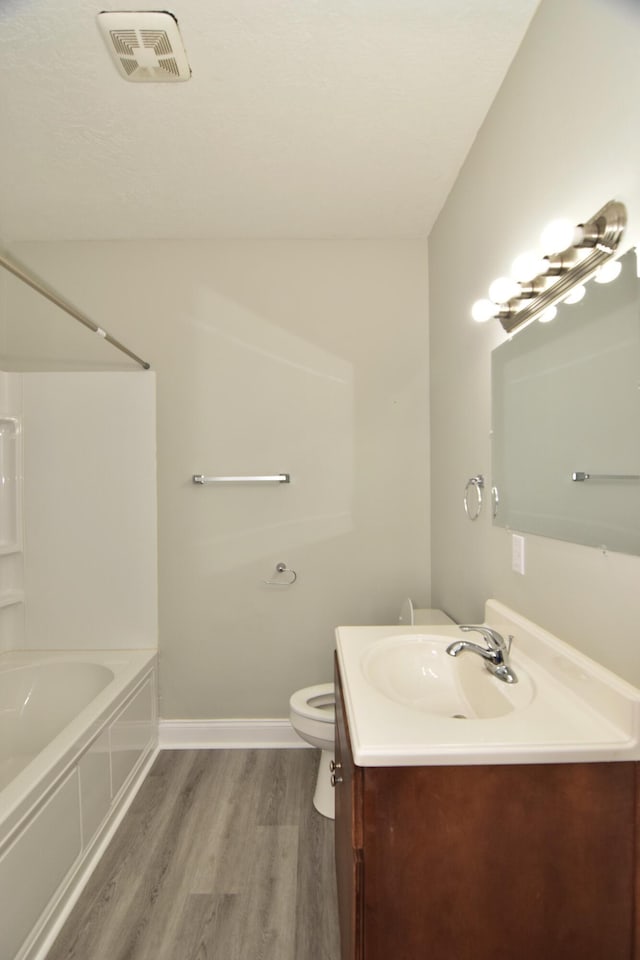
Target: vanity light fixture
<point x="484" y="310"/>
<point x="531" y="264"/>
<point x="504" y="289"/>
<point x="561" y="234"/>
<point x="569" y="256"/>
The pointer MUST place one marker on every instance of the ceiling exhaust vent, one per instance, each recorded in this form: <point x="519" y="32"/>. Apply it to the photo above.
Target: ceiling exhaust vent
<point x="146" y="45"/>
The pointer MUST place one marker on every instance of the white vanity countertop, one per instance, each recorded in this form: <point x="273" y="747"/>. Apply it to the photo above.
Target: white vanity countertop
<point x="579" y="711"/>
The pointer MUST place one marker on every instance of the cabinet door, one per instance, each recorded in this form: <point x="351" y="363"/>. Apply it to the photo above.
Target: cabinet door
<point x="505" y="862"/>
<point x="348" y="838"/>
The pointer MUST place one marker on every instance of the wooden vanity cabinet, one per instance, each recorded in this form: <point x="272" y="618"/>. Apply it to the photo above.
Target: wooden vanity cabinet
<point x="503" y="862"/>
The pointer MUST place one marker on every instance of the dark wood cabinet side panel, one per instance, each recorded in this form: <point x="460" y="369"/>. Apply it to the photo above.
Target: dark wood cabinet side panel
<point x="497" y="862"/>
<point x="636" y="898"/>
<point x="349" y="792"/>
<point x="348" y="837"/>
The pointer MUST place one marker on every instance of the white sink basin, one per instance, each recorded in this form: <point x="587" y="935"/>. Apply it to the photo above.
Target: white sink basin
<point x="405" y="699"/>
<point x="415" y="670"/>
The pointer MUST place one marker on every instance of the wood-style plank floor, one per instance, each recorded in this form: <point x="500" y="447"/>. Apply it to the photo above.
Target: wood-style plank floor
<point x="220" y="857"/>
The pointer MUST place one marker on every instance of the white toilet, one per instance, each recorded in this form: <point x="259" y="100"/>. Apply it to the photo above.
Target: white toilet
<point x="312" y="712"/>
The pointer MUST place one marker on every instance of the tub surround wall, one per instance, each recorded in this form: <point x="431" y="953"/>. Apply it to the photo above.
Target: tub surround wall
<point x="539" y="155"/>
<point x="12" y="613"/>
<point x="78" y="541"/>
<point x="301" y="357"/>
<point x="90" y="510"/>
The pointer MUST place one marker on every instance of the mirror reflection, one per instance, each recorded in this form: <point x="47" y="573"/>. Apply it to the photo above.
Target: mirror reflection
<point x="566" y="420"/>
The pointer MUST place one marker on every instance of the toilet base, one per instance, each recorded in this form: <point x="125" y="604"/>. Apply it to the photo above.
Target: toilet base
<point x="324" y="796"/>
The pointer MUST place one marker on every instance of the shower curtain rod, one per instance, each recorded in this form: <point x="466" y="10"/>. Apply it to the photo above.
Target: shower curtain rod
<point x="68" y="308"/>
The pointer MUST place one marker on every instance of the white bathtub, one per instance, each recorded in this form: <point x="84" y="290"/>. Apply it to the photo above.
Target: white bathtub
<point x="78" y="731"/>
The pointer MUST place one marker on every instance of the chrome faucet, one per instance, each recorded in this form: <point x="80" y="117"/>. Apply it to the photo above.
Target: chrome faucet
<point x="495" y="654"/>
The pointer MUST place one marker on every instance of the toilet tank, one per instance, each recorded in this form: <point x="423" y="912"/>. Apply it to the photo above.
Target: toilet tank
<point x="411" y="615"/>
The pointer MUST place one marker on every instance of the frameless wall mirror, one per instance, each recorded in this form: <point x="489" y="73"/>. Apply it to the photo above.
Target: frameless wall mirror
<point x="566" y="420"/>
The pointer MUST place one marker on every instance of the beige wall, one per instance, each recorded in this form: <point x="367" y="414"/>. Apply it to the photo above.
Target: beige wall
<point x="309" y="358"/>
<point x="562" y="138"/>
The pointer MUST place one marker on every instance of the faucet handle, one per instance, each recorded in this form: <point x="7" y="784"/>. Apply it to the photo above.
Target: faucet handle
<point x="494" y="640"/>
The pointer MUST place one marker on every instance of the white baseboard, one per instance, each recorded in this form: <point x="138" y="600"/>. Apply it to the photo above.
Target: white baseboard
<point x="227" y="734"/>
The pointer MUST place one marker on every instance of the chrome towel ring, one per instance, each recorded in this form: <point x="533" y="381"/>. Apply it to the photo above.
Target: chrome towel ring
<point x="472" y="510"/>
<point x="282" y="568"/>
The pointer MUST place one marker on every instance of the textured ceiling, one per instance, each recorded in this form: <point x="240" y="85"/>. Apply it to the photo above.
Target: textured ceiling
<point x="303" y="118"/>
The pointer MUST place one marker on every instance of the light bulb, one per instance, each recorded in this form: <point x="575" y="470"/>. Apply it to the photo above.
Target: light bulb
<point x="576" y="294"/>
<point x="547" y="315"/>
<point x="504" y="289"/>
<point x="559" y="235"/>
<point x="528" y="266"/>
<point x="484" y="310"/>
<point x="608" y="272"/>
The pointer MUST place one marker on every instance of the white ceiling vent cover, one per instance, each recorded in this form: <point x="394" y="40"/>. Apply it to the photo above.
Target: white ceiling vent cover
<point x="146" y="45"/>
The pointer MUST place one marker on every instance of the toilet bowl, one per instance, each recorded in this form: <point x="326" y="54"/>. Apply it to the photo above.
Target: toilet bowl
<point x="312" y="712"/>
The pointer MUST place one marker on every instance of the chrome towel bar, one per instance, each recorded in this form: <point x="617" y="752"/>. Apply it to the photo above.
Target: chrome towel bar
<point x="581" y="476"/>
<point x="277" y="478"/>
